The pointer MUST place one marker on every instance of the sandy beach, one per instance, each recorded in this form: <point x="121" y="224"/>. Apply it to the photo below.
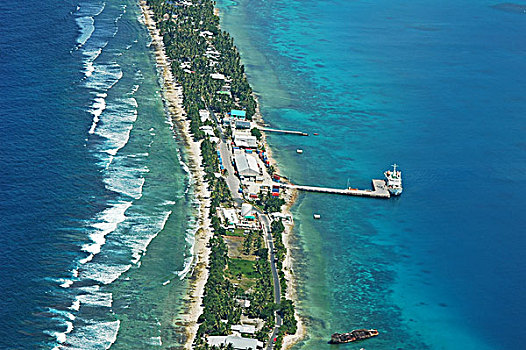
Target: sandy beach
<point x="288" y="263"/>
<point x="173" y="100"/>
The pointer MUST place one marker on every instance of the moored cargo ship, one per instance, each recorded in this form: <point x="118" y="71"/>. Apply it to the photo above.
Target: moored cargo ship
<point x="355" y="335"/>
<point x="393" y="180"/>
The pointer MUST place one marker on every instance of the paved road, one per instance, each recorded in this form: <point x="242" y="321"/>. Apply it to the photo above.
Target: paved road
<point x="266" y="231"/>
<point x="226" y="155"/>
<point x="233" y="184"/>
<point x="231" y="180"/>
<point x="275" y="276"/>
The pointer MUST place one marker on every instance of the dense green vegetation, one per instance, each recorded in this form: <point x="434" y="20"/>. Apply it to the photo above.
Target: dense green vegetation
<point x="253" y="242"/>
<point x="269" y="203"/>
<point x="220" y="309"/>
<point x="195" y="56"/>
<point x="262" y="297"/>
<point x="240" y="268"/>
<point x="219" y="191"/>
<point x="286" y="307"/>
<point x="256" y="132"/>
<point x="277" y="228"/>
<point x="204" y="61"/>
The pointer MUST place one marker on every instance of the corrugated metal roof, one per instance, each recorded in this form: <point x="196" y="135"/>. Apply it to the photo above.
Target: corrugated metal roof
<point x="238" y="342"/>
<point x="249" y="329"/>
<point x="246" y="165"/>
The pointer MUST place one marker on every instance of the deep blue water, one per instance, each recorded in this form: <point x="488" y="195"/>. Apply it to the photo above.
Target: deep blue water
<point x="85" y="173"/>
<point x="439" y="88"/>
<point x="96" y="209"/>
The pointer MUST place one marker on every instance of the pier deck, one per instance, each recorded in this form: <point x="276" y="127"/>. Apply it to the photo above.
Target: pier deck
<point x="379" y="190"/>
<point x="293" y="132"/>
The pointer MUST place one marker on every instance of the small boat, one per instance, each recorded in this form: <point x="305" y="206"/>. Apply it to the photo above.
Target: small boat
<point x="316" y="216"/>
<point x="355" y="335"/>
<point x="316" y="134"/>
<point x="299" y="151"/>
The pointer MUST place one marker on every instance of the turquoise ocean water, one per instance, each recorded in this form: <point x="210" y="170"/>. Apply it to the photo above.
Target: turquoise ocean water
<point x="437" y="87"/>
<point x="97" y="212"/>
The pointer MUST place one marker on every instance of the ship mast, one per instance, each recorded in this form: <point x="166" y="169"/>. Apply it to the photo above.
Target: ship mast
<point x="394" y="166"/>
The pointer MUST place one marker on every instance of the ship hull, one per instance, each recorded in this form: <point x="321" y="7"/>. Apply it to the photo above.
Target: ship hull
<point x="395" y="191"/>
<point x="355" y="335"/>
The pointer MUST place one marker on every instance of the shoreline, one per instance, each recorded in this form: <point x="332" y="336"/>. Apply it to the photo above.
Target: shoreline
<point x="288" y="263"/>
<point x="172" y="99"/>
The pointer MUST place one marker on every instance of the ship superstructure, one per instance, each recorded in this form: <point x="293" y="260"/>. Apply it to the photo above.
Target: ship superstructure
<point x="393" y="180"/>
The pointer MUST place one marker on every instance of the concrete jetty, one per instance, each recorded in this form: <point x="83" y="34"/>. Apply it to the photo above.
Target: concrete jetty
<point x="379" y="190"/>
<point x="293" y="132"/>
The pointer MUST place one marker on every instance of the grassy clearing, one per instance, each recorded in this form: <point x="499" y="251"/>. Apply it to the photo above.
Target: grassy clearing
<point x="241" y="268"/>
<point x="238" y="232"/>
<point x="241" y="272"/>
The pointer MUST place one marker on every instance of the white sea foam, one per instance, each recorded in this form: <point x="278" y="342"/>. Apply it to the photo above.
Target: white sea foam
<point x="101" y="77"/>
<point x="85" y="20"/>
<point x="87" y="26"/>
<point x="66" y="319"/>
<point x="155" y="341"/>
<point x="125" y="180"/>
<point x="93" y="335"/>
<point x="187" y="267"/>
<point x="99" y="105"/>
<point x="136" y="237"/>
<point x="189" y="261"/>
<point x="86" y="259"/>
<point x="139" y="155"/>
<point x="144" y="233"/>
<point x="92" y="296"/>
<point x="63" y="314"/>
<point x="66" y="283"/>
<point x="103" y="273"/>
<point x="106" y="222"/>
<point x="91" y="56"/>
<point x="117" y="124"/>
<point x="182" y="163"/>
<point x="134" y="89"/>
<point x="75" y="305"/>
<point x="122" y="14"/>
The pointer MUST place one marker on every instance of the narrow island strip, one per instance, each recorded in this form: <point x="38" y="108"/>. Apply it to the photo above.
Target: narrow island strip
<point x="242" y="290"/>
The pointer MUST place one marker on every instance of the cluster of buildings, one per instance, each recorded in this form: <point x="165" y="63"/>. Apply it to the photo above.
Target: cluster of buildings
<point x="249" y="159"/>
<point x="241" y="156"/>
<point x="244" y="159"/>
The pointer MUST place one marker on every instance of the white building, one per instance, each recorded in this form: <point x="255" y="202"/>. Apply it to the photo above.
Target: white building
<point x="246" y="209"/>
<point x="245" y="141"/>
<point x="246" y="164"/>
<point x="208" y="130"/>
<point x="204" y="115"/>
<point x="245" y="329"/>
<point x="217" y="76"/>
<point x="231" y="218"/>
<point x="238" y="343"/>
